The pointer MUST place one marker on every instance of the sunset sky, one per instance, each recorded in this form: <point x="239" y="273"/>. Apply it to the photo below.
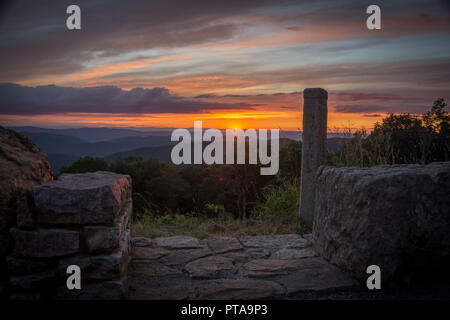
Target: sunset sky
<point x="229" y="63"/>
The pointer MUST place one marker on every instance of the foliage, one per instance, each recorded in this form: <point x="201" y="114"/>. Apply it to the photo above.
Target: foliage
<point x="86" y="164"/>
<point x="280" y="204"/>
<point x="290" y="160"/>
<point x="400" y="139"/>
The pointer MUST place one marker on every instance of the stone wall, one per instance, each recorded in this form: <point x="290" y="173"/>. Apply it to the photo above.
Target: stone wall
<point x="396" y="217"/>
<point x="79" y="219"/>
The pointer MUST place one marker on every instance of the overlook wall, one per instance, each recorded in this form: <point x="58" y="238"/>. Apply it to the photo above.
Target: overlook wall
<point x="79" y="219"/>
<point x="396" y="217"/>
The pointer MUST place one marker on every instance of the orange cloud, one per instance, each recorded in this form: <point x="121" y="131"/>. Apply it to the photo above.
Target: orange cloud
<point x="102" y="71"/>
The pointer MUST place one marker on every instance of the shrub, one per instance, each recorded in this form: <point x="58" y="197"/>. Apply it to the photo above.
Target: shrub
<point x="280" y="203"/>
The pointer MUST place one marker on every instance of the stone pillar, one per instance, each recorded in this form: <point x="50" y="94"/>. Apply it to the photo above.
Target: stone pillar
<point x="313" y="149"/>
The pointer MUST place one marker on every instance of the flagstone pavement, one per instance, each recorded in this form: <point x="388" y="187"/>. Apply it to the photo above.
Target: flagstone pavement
<point x="245" y="267"/>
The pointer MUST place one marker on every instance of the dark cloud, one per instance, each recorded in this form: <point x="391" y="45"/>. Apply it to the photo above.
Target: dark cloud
<point x="215" y="96"/>
<point x="18" y="100"/>
<point x="35" y="40"/>
<point x="367" y="96"/>
<point x="295" y="28"/>
<point x="288" y="107"/>
<point x="417" y="74"/>
<point x="358" y="108"/>
<point x="376" y="115"/>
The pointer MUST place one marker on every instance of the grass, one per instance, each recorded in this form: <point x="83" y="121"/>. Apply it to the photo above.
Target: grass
<point x="201" y="227"/>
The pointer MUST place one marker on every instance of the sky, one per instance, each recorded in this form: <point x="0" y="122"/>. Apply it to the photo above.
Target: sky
<point x="231" y="64"/>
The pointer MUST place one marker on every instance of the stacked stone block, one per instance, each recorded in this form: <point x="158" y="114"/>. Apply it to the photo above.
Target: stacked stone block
<point x="79" y="219"/>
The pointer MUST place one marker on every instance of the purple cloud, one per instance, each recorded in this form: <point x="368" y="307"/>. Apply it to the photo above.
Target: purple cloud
<point x="16" y="99"/>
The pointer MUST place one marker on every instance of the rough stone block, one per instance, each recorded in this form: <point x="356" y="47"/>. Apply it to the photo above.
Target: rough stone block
<point x="105" y="266"/>
<point x="26" y="266"/>
<point x="396" y="217"/>
<point x="33" y="281"/>
<point x="100" y="238"/>
<point x="80" y="199"/>
<point x="25" y="214"/>
<point x="44" y="243"/>
<point x="105" y="290"/>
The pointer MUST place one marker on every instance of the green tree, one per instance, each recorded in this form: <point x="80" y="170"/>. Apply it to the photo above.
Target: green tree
<point x="400" y="139"/>
<point x="86" y="164"/>
<point x="291" y="160"/>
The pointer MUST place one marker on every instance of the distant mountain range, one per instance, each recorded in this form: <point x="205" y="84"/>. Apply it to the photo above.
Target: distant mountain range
<point x="64" y="146"/>
<point x="97" y="134"/>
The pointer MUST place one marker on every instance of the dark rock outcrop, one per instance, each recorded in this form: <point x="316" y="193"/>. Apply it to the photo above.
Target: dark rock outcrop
<point x="396" y="217"/>
<point x="22" y="166"/>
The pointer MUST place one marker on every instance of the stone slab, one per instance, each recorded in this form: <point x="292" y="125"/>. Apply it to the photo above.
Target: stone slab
<point x="104" y="290"/>
<point x="178" y="242"/>
<point x="212" y="267"/>
<point x="274" y="241"/>
<point x="148" y="253"/>
<point x="294" y="253"/>
<point x="316" y="275"/>
<point x="182" y="256"/>
<point x="262" y="268"/>
<point x="142" y="242"/>
<point x="237" y="289"/>
<point x="257" y="253"/>
<point x="152" y="269"/>
<point x="224" y="244"/>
